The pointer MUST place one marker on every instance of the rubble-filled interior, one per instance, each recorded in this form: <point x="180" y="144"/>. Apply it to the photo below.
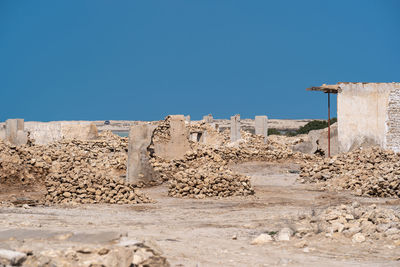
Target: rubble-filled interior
<point x="72" y="173"/>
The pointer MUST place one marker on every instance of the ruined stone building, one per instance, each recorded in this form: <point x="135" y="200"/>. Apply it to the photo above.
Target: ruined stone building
<point x="367" y="113"/>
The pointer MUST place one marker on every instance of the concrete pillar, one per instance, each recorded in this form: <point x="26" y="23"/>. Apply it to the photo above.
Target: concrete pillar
<point x="261" y="126"/>
<point x="235" y="128"/>
<point x="139" y="168"/>
<point x="15" y="132"/>
<point x="208" y="118"/>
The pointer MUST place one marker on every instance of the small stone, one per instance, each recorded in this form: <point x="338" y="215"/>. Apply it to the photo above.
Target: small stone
<point x="103" y="251"/>
<point x="262" y="239"/>
<point x="136" y="259"/>
<point x="301" y="244"/>
<point x="358" y="238"/>
<point x="67" y="194"/>
<point x="284" y="234"/>
<point x="84" y="250"/>
<point x="14" y="257"/>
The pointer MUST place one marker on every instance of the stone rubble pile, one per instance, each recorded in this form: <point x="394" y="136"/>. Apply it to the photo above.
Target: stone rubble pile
<point x="73" y="170"/>
<point x="253" y="148"/>
<point x="360" y="223"/>
<point x="90" y="173"/>
<point x="162" y="133"/>
<point x="366" y="172"/>
<point x="120" y="255"/>
<point x="22" y="165"/>
<point x="202" y="173"/>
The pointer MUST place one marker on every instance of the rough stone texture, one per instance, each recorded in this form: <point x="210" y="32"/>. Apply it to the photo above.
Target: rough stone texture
<point x="205" y="133"/>
<point x="10" y="257"/>
<point x="203" y="173"/>
<point x="171" y="138"/>
<point x="261" y="126"/>
<point x="135" y="254"/>
<point x="355" y="222"/>
<point x="392" y="137"/>
<point x="262" y="239"/>
<point x="367" y="112"/>
<point x="72" y="171"/>
<point x="139" y="167"/>
<point x="235" y="128"/>
<point x="368" y="172"/>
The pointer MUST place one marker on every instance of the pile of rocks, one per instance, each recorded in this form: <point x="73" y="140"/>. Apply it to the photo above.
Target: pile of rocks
<point x="162" y="133"/>
<point x="202" y="173"/>
<point x="89" y="172"/>
<point x="22" y="165"/>
<point x="253" y="148"/>
<point x="126" y="253"/>
<point x="78" y="186"/>
<point x="72" y="170"/>
<point x="368" y="172"/>
<point x="353" y="221"/>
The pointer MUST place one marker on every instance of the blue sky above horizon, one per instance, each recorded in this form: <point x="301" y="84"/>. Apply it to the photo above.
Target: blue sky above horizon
<point x="143" y="60"/>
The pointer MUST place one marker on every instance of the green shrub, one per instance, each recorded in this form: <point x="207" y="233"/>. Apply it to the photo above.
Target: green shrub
<point x="273" y="132"/>
<point x="314" y="125"/>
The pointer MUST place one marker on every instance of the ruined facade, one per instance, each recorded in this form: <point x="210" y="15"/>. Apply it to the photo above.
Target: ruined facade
<point x="368" y="114"/>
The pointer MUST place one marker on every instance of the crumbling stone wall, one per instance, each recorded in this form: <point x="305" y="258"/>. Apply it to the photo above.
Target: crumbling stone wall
<point x="392" y="137"/>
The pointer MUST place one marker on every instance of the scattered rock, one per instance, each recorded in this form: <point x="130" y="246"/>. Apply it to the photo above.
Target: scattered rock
<point x="353" y="221"/>
<point x="11" y="257"/>
<point x="262" y="239"/>
<point x="366" y="172"/>
<point x="284" y="234"/>
<point x="358" y="238"/>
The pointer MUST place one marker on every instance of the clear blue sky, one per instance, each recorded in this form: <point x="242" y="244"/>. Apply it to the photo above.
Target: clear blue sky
<point x="142" y="60"/>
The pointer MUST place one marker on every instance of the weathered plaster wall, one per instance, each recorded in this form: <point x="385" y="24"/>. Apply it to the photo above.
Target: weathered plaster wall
<point x="363" y="114"/>
<point x="47" y="132"/>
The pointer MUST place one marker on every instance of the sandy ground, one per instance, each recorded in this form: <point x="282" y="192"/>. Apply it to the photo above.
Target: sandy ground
<point x="214" y="232"/>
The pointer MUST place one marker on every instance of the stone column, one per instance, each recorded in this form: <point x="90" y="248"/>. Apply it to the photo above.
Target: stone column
<point x="15" y="132"/>
<point x="261" y="126"/>
<point x="235" y="128"/>
<point x="139" y="168"/>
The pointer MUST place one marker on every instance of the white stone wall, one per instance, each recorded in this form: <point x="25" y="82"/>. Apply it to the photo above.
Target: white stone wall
<point x="47" y="132"/>
<point x="363" y="115"/>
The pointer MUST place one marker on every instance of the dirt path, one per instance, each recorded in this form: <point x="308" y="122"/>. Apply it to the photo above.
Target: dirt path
<point x="203" y="232"/>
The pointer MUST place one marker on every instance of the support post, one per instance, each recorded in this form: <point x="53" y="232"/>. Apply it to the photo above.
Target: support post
<point x="329" y="124"/>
